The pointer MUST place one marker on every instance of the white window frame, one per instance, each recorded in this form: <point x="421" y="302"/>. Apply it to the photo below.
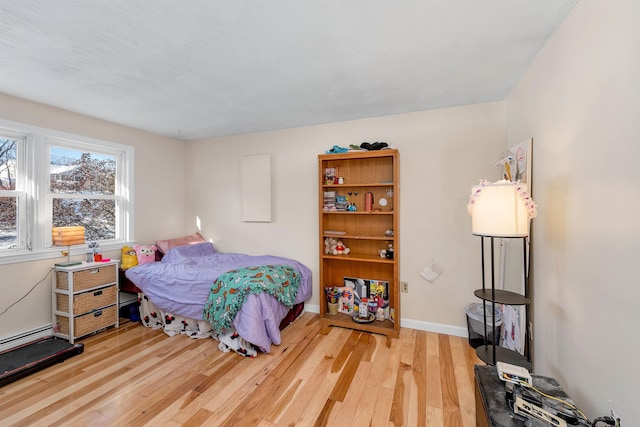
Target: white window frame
<point x="21" y="191"/>
<point x="34" y="222"/>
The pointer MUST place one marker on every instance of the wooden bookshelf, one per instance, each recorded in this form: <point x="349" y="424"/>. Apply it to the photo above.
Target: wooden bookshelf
<point x="364" y="232"/>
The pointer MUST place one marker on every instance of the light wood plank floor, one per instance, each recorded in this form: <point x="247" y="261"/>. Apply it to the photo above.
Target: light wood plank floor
<point x="134" y="376"/>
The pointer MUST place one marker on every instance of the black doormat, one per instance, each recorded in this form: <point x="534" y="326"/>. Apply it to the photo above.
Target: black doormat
<point x="26" y="359"/>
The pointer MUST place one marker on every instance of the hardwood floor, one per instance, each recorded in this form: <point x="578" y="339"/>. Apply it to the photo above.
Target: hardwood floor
<point x="133" y="376"/>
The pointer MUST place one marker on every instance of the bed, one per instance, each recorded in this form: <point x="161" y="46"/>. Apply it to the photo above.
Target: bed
<point x="241" y="300"/>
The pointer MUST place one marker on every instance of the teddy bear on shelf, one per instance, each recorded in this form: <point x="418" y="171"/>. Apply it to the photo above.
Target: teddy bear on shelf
<point x="333" y="246"/>
<point x="341" y="249"/>
<point x="329" y="244"/>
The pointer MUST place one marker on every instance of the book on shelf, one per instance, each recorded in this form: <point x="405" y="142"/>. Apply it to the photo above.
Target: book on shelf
<point x="329" y="200"/>
<point x="338" y="233"/>
<point x="341" y="203"/>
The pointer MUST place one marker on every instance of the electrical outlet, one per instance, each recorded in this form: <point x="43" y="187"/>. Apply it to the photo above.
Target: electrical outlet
<point x="404" y="286"/>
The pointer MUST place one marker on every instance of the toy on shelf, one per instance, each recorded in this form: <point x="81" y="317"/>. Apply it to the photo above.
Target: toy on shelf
<point x="341" y="249"/>
<point x="333" y="246"/>
<point x="387" y="253"/>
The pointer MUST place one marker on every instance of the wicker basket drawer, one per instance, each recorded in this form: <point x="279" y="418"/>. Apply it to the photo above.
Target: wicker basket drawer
<point x="87" y="278"/>
<point x="87" y="301"/>
<point x="87" y="323"/>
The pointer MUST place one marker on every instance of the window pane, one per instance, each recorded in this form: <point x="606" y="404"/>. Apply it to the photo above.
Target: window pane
<point x="81" y="172"/>
<point x="7" y="164"/>
<point x="97" y="216"/>
<point x="8" y="223"/>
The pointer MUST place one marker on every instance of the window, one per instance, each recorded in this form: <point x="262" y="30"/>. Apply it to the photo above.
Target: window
<point x="50" y="179"/>
<point x="82" y="191"/>
<point x="12" y="194"/>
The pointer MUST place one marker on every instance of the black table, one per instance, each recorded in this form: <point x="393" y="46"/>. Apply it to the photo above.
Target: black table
<point x="492" y="409"/>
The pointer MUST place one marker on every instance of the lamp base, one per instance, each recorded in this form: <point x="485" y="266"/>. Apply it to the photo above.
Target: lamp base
<point x="67" y="263"/>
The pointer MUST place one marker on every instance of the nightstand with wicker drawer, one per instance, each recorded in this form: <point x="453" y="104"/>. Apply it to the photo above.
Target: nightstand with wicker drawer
<point x="85" y="299"/>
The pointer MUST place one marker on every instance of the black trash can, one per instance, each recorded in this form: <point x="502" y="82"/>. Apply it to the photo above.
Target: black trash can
<point x="475" y="323"/>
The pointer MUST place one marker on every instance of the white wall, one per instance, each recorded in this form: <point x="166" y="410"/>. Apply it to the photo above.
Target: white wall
<point x="159" y="203"/>
<point x="580" y="101"/>
<point x="442" y="154"/>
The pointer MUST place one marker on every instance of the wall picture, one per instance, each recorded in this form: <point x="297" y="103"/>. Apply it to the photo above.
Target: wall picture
<point x="516" y="163"/>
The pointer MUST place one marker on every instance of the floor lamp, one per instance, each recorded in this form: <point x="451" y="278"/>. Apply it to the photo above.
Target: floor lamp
<point x="501" y="209"/>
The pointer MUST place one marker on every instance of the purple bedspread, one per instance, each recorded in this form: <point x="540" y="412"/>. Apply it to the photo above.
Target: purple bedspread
<point x="181" y="282"/>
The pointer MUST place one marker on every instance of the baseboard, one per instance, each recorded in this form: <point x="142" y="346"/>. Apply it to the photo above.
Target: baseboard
<point x="25" y="337"/>
<point x="458" y="331"/>
<point x="439" y="328"/>
<point x="312" y="308"/>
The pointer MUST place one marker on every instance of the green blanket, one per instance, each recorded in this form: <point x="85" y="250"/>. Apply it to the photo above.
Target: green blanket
<point x="231" y="289"/>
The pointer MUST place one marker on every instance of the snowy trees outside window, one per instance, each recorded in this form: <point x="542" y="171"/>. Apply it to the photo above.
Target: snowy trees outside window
<point x="83" y="187"/>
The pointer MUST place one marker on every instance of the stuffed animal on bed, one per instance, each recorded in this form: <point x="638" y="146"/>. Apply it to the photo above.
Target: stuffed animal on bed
<point x="129" y="258"/>
<point x="145" y="253"/>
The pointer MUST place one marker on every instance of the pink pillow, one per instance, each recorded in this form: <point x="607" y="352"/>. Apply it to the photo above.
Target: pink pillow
<point x="165" y="245"/>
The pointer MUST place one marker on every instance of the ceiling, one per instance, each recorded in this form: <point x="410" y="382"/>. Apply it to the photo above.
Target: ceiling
<point x="201" y="69"/>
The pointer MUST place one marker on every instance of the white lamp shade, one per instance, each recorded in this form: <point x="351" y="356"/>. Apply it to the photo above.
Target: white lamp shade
<point x="499" y="211"/>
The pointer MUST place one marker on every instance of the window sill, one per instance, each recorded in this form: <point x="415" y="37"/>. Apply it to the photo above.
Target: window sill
<point x="55" y="253"/>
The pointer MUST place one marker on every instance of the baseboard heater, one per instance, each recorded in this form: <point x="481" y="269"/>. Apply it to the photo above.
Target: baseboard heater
<point x="31" y="357"/>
